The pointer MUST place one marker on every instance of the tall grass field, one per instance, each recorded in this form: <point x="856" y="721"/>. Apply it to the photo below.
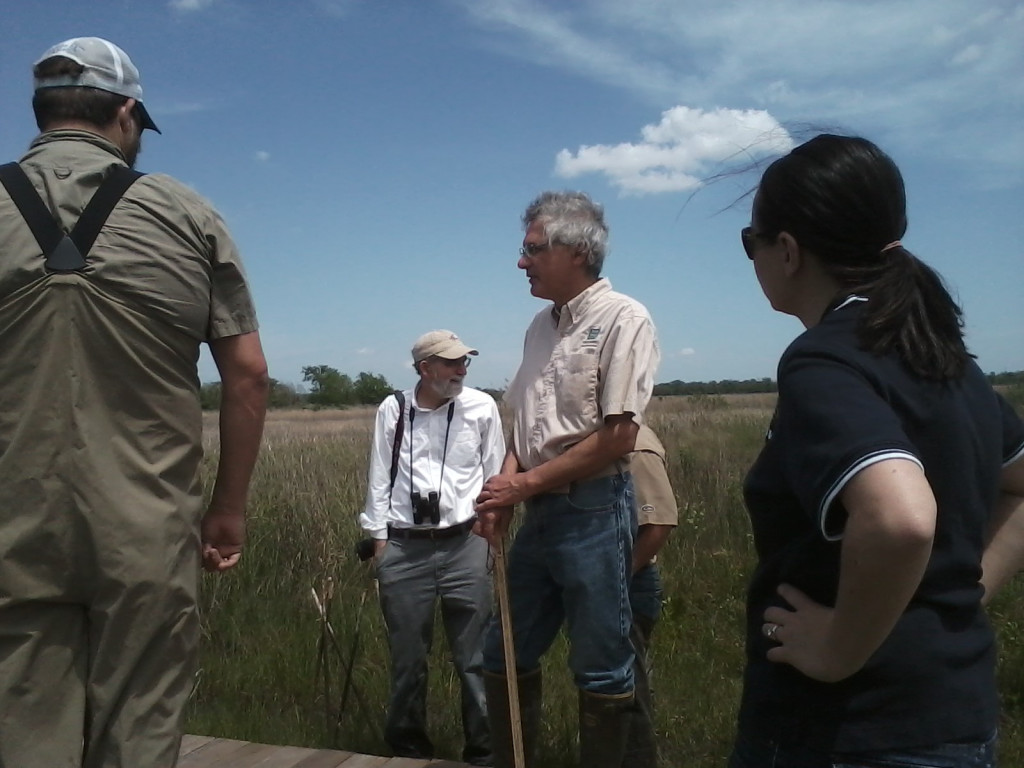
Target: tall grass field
<point x="294" y="650"/>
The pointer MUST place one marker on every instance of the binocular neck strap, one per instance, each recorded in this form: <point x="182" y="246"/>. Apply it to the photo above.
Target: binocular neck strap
<point x="444" y="452"/>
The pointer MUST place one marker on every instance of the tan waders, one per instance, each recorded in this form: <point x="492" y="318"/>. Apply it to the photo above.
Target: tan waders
<point x="100" y="449"/>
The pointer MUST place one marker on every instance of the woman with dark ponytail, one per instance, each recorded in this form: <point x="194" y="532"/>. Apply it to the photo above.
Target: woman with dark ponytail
<point x="888" y="502"/>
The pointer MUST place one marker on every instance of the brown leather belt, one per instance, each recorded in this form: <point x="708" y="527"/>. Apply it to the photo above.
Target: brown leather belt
<point x="430" y="533"/>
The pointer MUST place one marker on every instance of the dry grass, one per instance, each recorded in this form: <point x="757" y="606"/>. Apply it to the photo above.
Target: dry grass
<point x="261" y="679"/>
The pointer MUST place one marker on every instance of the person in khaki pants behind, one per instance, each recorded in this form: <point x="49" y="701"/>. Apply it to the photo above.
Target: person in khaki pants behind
<point x="657" y="514"/>
<point x="102" y="529"/>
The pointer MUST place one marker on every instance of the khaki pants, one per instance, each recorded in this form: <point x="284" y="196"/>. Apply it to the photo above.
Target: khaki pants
<point x="98" y="633"/>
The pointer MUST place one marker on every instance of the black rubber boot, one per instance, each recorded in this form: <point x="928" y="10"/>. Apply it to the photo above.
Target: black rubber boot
<point x="604" y="728"/>
<point x="496" y="689"/>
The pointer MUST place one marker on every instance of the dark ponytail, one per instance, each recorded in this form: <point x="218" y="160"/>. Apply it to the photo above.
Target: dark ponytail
<point x="911" y="312"/>
<point x="843" y="200"/>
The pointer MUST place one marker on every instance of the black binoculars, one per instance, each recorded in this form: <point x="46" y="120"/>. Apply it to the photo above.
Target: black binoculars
<point x="426" y="510"/>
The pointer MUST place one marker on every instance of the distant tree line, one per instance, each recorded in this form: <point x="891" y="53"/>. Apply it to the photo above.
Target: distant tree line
<point x="1011" y="385"/>
<point x="1007" y="379"/>
<point x="1011" y="379"/>
<point x="725" y="387"/>
<point x="330" y="388"/>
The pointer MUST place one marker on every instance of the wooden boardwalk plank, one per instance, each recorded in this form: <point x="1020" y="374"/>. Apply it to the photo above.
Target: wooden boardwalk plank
<point x="210" y="751"/>
<point x="281" y="757"/>
<point x="365" y="761"/>
<point x="324" y="758"/>
<point x="190" y="743"/>
<point x="247" y="756"/>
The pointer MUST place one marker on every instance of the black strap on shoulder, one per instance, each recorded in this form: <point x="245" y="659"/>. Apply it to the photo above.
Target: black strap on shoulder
<point x="66" y="252"/>
<point x="38" y="217"/>
<point x="89" y="224"/>
<point x="396" y="446"/>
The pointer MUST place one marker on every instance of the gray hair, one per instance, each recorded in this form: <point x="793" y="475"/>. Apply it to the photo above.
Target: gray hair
<point x="572" y="219"/>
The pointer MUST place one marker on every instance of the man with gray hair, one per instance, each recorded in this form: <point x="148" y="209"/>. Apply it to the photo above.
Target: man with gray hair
<point x="577" y="400"/>
<point x="109" y="283"/>
<point x="433" y="446"/>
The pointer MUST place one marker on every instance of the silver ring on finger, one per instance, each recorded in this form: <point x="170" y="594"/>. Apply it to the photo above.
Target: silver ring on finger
<point x="770" y="631"/>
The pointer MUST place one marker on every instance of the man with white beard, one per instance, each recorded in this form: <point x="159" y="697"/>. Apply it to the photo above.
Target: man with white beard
<point x="433" y="445"/>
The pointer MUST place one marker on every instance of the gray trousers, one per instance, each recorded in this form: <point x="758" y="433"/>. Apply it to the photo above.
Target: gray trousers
<point x="412" y="575"/>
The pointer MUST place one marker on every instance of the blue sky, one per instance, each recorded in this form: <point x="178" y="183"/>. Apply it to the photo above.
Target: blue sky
<point x="372" y="157"/>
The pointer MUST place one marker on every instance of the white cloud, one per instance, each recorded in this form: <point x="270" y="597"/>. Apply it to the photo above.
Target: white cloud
<point x="364" y="351"/>
<point x="686" y="352"/>
<point x="262" y="156"/>
<point x="925" y="75"/>
<point x="968" y="55"/>
<point x="187" y="6"/>
<point x="182" y="108"/>
<point x="676" y="153"/>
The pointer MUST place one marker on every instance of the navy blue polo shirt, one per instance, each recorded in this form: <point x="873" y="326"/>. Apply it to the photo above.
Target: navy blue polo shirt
<point x="839" y="410"/>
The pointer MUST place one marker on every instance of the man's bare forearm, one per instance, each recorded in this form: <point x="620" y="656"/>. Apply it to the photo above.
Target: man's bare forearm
<point x="598" y="450"/>
<point x="649" y="541"/>
<point x="244" y="390"/>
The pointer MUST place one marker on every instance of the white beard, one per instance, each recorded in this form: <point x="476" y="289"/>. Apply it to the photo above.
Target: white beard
<point x="447" y="390"/>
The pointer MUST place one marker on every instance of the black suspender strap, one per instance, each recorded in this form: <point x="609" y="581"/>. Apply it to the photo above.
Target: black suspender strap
<point x="103" y="201"/>
<point x="38" y="217"/>
<point x="66" y="252"/>
<point x="396" y="446"/>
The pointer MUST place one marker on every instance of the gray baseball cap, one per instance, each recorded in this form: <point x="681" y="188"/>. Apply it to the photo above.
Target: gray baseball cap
<point x="106" y="67"/>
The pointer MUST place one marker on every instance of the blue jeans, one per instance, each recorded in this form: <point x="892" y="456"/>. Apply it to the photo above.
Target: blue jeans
<point x="570" y="561"/>
<point x="645" y="593"/>
<point x="980" y="754"/>
<point x="645" y="600"/>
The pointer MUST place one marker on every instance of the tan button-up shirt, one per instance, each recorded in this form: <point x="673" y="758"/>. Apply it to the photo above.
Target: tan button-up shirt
<point x="593" y="358"/>
<point x="99" y="393"/>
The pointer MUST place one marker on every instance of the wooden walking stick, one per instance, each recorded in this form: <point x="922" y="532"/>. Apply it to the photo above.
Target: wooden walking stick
<point x="511" y="678"/>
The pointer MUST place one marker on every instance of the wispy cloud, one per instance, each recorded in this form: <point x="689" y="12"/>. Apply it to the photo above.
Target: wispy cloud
<point x="187" y="6"/>
<point x="262" y="155"/>
<point x="939" y="76"/>
<point x="182" y="108"/>
<point x="337" y="8"/>
<point x="675" y="154"/>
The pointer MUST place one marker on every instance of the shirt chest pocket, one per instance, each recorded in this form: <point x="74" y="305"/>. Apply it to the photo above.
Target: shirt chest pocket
<point x="464" y="449"/>
<point x="578" y="381"/>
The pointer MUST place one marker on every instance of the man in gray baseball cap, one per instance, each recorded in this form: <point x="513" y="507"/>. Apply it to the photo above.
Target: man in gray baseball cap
<point x="110" y="280"/>
<point x="102" y="65"/>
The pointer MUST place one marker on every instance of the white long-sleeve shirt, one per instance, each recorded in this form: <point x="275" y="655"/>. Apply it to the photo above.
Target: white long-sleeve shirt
<point x="476" y="448"/>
